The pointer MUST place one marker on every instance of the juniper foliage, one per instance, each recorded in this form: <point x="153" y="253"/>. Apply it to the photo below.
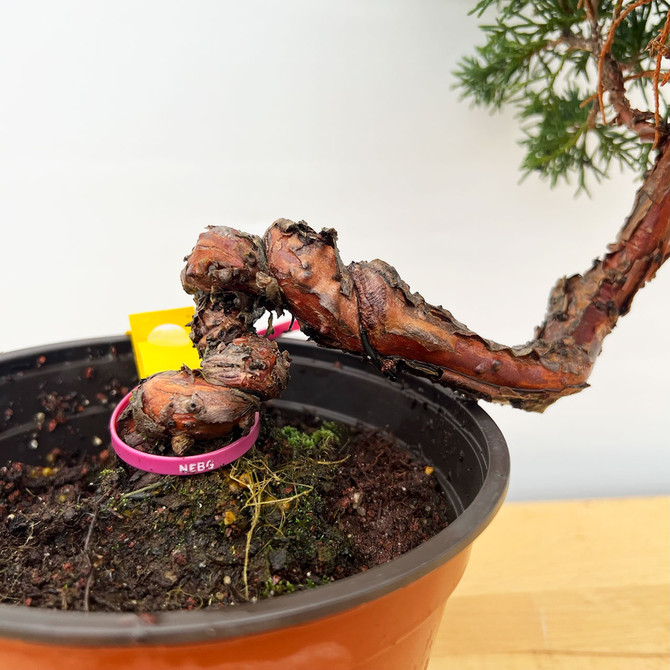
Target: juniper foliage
<point x="541" y="58"/>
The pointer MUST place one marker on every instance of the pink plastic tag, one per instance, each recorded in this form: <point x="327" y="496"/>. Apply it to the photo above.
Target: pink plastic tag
<point x="175" y="465"/>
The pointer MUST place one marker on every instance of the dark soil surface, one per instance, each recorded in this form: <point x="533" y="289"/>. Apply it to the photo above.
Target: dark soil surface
<point x="310" y="503"/>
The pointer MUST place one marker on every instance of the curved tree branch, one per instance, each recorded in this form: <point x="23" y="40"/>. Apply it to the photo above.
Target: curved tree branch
<point x="367" y="309"/>
<point x="383" y="319"/>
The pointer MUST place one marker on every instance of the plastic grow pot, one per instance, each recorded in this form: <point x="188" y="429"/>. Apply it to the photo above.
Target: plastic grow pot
<point x="382" y="619"/>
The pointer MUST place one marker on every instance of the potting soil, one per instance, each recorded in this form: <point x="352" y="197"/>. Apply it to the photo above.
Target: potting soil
<point x="310" y="503"/>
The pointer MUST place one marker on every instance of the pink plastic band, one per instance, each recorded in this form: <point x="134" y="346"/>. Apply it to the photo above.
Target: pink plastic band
<point x="189" y="465"/>
<point x="186" y="465"/>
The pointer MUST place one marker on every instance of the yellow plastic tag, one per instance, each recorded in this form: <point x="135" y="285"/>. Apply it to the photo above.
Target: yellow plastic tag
<point x="161" y="341"/>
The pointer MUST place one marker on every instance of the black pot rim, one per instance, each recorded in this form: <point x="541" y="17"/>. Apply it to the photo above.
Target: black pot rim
<point x="122" y="629"/>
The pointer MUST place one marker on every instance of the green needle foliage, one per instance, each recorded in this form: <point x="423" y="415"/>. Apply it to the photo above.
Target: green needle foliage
<point x="541" y="58"/>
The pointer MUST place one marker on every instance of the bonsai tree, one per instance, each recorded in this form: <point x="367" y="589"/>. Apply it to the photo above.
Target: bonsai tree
<point x="587" y="81"/>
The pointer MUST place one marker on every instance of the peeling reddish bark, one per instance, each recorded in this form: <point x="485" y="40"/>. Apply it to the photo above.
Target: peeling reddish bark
<point x="398" y="328"/>
<point x="182" y="406"/>
<point x="315" y="285"/>
<point x="226" y="271"/>
<point x="251" y="364"/>
<point x="224" y="257"/>
<point x="367" y="309"/>
<point x="587" y="307"/>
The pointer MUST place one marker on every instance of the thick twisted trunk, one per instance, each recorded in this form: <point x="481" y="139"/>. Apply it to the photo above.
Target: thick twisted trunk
<point x="587" y="307"/>
<point x="367" y="309"/>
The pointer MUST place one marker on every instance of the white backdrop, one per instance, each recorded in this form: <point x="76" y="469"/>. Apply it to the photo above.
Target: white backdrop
<point x="126" y="128"/>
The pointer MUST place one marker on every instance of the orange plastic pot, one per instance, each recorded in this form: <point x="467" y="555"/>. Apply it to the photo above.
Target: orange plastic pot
<point x="383" y="619"/>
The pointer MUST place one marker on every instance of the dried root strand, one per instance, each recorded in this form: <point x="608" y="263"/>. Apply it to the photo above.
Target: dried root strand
<point x="649" y="126"/>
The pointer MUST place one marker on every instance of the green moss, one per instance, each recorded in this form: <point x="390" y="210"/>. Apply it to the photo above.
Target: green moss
<point x="322" y="439"/>
<point x="266" y="510"/>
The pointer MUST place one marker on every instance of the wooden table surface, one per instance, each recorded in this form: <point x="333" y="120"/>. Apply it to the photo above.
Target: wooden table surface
<point x="553" y="585"/>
